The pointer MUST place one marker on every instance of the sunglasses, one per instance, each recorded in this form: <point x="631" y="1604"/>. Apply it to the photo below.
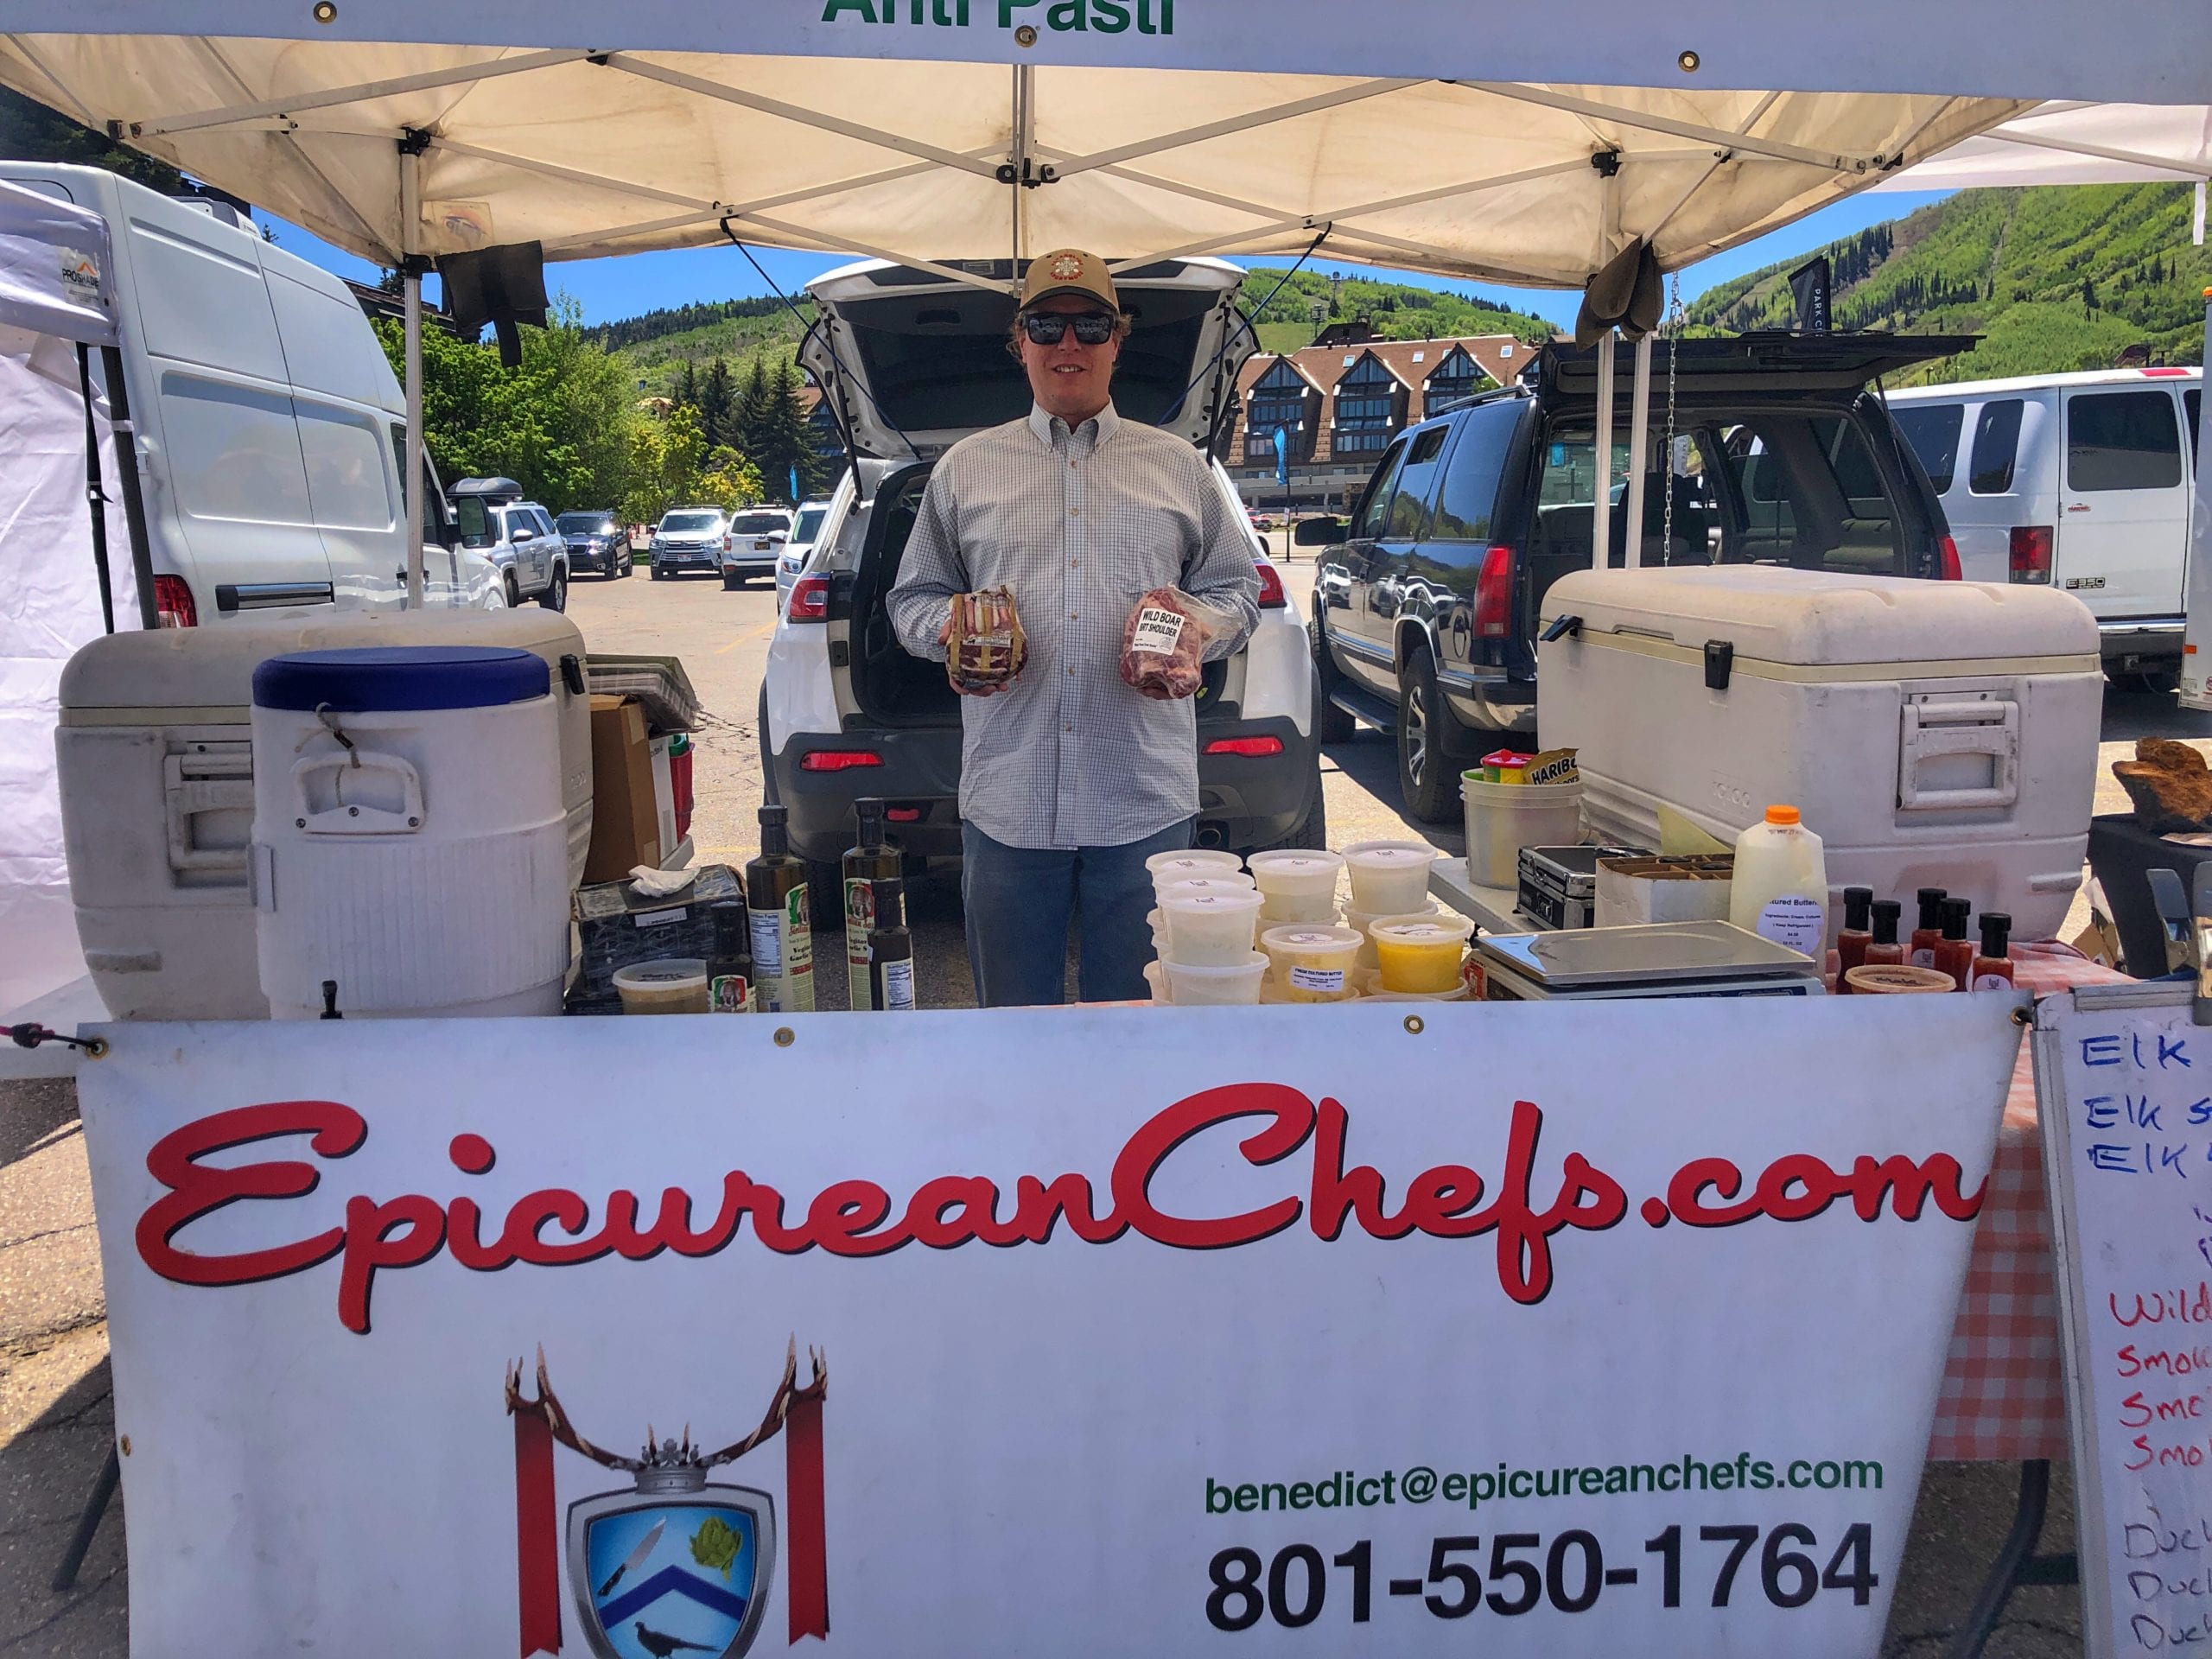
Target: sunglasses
<point x="1046" y="328"/>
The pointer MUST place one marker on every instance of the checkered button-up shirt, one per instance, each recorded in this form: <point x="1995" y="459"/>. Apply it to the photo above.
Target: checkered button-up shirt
<point x="1079" y="524"/>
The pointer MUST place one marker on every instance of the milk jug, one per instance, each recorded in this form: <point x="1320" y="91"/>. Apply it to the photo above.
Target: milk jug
<point x="1780" y="887"/>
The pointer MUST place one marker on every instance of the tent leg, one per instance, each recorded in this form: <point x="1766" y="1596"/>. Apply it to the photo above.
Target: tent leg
<point x="126" y="467"/>
<point x="1601" y="514"/>
<point x="2197" y="588"/>
<point x="1639" y="435"/>
<point x="94" y="493"/>
<point x="413" y="494"/>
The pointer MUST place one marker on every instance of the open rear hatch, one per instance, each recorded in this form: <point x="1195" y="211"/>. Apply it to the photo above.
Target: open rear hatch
<point x="913" y="362"/>
<point x="1841" y="363"/>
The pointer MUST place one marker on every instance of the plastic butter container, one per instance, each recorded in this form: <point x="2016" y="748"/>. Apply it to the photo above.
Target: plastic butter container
<point x="1195" y="985"/>
<point x="1419" y="953"/>
<point x="1313" y="964"/>
<point x="1390" y="878"/>
<point x="1210" y="930"/>
<point x="670" y="985"/>
<point x="1297" y="886"/>
<point x="1197" y="861"/>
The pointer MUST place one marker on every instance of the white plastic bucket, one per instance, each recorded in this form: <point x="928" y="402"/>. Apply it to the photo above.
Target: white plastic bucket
<point x="670" y="985"/>
<point x="1195" y="985"/>
<point x="1390" y="878"/>
<point x="1313" y="964"/>
<point x="1503" y="818"/>
<point x="410" y="839"/>
<point x="1210" y="930"/>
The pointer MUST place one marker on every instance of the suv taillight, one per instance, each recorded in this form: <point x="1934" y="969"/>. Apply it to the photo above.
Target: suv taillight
<point x="810" y="600"/>
<point x="2031" y="553"/>
<point x="728" y="542"/>
<point x="1272" y="597"/>
<point x="1948" y="569"/>
<point x="173" y="605"/>
<point x="1494" y="594"/>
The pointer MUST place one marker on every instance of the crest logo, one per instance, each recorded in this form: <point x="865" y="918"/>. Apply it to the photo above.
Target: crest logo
<point x="1066" y="268"/>
<point x="676" y="1564"/>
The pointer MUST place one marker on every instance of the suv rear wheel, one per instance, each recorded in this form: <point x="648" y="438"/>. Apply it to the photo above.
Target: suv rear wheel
<point x="1331" y="723"/>
<point x="732" y="580"/>
<point x="1427" y="778"/>
<point x="556" y="596"/>
<point x="514" y="593"/>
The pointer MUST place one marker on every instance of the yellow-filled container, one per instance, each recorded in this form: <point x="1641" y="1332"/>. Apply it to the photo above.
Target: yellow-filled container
<point x="1313" y="964"/>
<point x="1359" y="921"/>
<point x="671" y="985"/>
<point x="1419" y="953"/>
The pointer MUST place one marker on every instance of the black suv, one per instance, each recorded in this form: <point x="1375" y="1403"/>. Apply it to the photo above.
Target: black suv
<point x="1425" y="608"/>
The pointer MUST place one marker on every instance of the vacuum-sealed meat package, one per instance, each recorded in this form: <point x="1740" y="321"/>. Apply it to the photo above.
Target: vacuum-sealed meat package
<point x="1162" y="643"/>
<point x="985" y="648"/>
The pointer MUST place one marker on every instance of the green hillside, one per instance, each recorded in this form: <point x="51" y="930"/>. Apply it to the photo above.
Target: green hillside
<point x="2054" y="279"/>
<point x="741" y="332"/>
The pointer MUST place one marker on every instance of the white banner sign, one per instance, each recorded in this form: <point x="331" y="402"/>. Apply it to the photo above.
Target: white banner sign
<point x="1546" y="1329"/>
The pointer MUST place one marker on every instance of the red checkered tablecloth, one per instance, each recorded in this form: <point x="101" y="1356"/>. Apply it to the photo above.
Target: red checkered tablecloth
<point x="2004" y="1397"/>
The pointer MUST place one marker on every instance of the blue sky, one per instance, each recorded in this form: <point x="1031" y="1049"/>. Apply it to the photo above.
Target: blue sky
<point x="612" y="288"/>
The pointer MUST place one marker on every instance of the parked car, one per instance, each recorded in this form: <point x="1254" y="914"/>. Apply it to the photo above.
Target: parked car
<point x="517" y="537"/>
<point x="273" y="431"/>
<point x="688" y="539"/>
<point x="805" y="527"/>
<point x="756" y="536"/>
<point x="596" y="540"/>
<point x="2081" y="481"/>
<point x="919" y="363"/>
<point x="1426" y="605"/>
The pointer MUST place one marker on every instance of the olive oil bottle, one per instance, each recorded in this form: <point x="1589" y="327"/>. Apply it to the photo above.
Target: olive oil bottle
<point x="866" y="864"/>
<point x="782" y="931"/>
<point x="890" y="949"/>
<point x="729" y="969"/>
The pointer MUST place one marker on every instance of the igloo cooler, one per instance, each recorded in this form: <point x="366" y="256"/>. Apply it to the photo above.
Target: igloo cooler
<point x="1933" y="733"/>
<point x="156" y="776"/>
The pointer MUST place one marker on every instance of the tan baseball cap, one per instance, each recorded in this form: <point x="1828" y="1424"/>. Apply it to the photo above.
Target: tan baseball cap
<point x="1069" y="270"/>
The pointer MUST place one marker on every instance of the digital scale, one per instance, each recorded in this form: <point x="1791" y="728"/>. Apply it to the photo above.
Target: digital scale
<point x="1656" y="959"/>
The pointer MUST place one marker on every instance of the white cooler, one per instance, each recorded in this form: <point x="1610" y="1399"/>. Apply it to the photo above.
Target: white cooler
<point x="409" y="846"/>
<point x="1933" y="733"/>
<point x="156" y="777"/>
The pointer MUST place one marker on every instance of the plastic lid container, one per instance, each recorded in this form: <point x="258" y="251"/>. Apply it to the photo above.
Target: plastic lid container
<point x="1503" y="818"/>
<point x="1895" y="979"/>
<point x="1390" y="877"/>
<point x="1297" y="874"/>
<point x="371" y="679"/>
<point x="1313" y="964"/>
<point x="1419" y="953"/>
<point x="1210" y="930"/>
<point x="1156" y="976"/>
<point x="1360" y="920"/>
<point x="1195" y="861"/>
<point x="1197" y="984"/>
<point x="1213" y="881"/>
<point x="1458" y="994"/>
<point x="670" y="985"/>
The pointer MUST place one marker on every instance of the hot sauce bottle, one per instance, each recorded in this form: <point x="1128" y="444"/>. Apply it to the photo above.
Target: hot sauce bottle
<point x="1992" y="969"/>
<point x="1923" y="952"/>
<point x="1851" y="939"/>
<point x="1883" y="949"/>
<point x="1954" y="952"/>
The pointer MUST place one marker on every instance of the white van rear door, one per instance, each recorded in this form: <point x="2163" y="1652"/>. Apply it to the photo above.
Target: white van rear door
<point x="2123" y="500"/>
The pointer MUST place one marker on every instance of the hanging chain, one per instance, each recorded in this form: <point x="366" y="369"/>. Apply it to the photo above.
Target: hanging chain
<point x="1674" y="327"/>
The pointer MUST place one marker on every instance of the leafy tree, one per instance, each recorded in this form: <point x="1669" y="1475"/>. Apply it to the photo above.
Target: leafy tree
<point x="730" y="480"/>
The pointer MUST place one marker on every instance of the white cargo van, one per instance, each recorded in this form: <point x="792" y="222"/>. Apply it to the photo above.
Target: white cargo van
<point x="271" y="429"/>
<point x="2082" y="481"/>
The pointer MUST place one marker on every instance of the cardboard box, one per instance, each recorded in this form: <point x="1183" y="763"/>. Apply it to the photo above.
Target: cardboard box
<point x="625" y="823"/>
<point x="1635" y="891"/>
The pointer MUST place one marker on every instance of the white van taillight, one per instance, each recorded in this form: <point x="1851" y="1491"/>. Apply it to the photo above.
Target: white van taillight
<point x="2031" y="553"/>
<point x="1272" y="597"/>
<point x="810" y="600"/>
<point x="1494" y="595"/>
<point x="1948" y="568"/>
<point x="173" y="605"/>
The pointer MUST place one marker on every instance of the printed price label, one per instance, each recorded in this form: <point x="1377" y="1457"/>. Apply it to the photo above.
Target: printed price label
<point x="1795" y="922"/>
<point x="1157" y="629"/>
<point x="1328" y="980"/>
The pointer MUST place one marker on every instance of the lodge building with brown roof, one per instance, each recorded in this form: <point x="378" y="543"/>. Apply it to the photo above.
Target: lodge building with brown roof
<point x="1342" y="400"/>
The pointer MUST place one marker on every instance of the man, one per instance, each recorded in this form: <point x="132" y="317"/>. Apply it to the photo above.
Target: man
<point x="1069" y="779"/>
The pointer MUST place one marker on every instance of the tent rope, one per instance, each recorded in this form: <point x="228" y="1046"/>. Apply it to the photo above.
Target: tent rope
<point x="1229" y="339"/>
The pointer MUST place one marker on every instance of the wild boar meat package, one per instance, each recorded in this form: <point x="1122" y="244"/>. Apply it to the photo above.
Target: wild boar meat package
<point x="1161" y="644"/>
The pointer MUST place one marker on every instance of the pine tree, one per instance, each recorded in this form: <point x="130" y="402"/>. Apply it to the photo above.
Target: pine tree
<point x="718" y="405"/>
<point x="786" y="446"/>
<point x="687" y="385"/>
<point x="751" y="419"/>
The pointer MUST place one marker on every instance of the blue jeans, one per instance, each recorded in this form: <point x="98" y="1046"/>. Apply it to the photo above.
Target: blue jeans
<point x="1019" y="900"/>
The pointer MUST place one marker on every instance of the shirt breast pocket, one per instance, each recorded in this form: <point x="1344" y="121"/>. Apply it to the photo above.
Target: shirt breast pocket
<point x="1147" y="541"/>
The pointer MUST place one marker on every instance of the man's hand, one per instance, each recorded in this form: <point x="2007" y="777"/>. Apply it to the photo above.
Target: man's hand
<point x="945" y="638"/>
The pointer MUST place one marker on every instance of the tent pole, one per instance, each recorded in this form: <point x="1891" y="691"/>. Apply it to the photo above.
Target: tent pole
<point x="1601" y="513"/>
<point x="94" y="493"/>
<point x="410" y="196"/>
<point x="1639" y="431"/>
<point x="126" y="467"/>
<point x="2197" y="588"/>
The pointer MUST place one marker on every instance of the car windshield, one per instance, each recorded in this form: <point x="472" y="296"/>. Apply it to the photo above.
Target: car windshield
<point x="681" y="522"/>
<point x="477" y="529"/>
<point x="757" y="524"/>
<point x="584" y="524"/>
<point x="809" y="522"/>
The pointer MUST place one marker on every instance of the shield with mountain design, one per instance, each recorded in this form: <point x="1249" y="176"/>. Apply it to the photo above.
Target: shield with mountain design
<point x="670" y="1570"/>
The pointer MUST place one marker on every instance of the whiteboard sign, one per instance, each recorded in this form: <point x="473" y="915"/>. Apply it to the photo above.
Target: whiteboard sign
<point x="2124" y="1082"/>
